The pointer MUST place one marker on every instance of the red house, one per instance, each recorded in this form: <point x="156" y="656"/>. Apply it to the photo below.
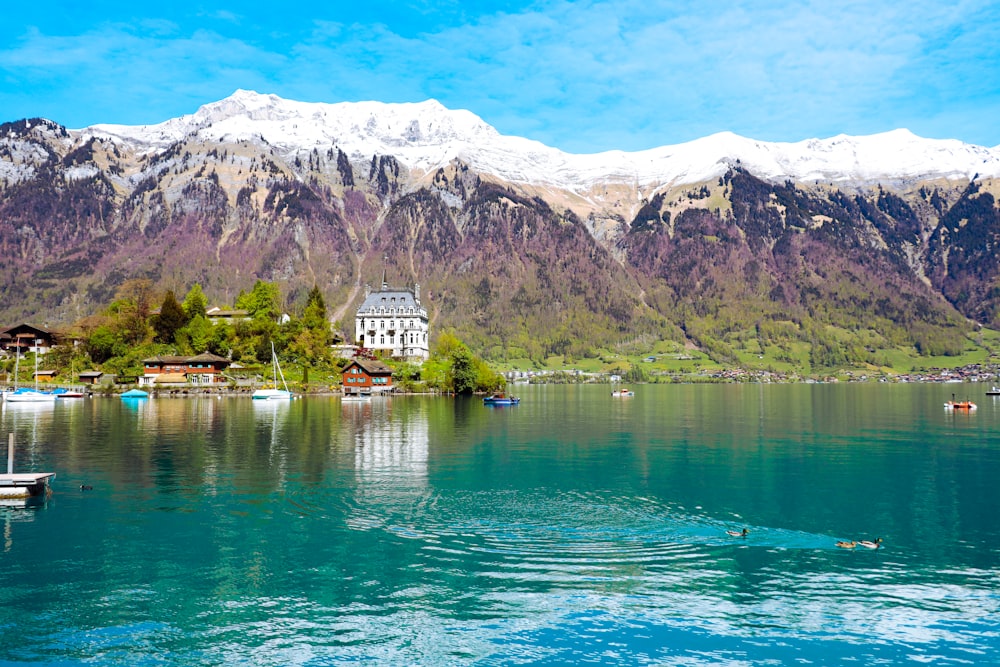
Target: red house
<point x="206" y="368"/>
<point x="365" y="376"/>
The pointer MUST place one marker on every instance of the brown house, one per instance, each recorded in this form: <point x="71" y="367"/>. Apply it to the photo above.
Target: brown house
<point x="206" y="368"/>
<point x="95" y="377"/>
<point x="23" y="338"/>
<point x="364" y="376"/>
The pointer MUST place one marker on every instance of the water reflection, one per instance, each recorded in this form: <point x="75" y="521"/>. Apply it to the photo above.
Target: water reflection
<point x="573" y="529"/>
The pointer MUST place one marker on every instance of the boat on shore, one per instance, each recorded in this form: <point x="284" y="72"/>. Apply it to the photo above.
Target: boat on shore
<point x="501" y="398"/>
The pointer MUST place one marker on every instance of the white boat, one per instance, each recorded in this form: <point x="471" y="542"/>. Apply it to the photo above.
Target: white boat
<point x="274" y="394"/>
<point x="28" y="396"/>
<point x="23" y="395"/>
<point x="623" y="393"/>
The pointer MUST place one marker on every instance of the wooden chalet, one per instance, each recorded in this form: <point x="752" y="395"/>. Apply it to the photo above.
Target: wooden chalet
<point x="365" y="376"/>
<point x="203" y="369"/>
<point x="23" y="338"/>
<point x="95" y="377"/>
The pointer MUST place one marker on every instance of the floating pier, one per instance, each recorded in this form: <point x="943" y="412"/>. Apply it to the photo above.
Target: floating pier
<point x="24" y="484"/>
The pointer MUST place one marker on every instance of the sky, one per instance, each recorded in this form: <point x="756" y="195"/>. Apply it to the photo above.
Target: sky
<point x="580" y="76"/>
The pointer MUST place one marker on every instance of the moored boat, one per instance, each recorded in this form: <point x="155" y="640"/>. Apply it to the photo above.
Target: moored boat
<point x="274" y="394"/>
<point x="61" y="392"/>
<point x="23" y="395"/>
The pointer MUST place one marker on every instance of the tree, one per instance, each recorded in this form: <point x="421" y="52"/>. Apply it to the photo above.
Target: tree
<point x="463" y="371"/>
<point x="263" y="301"/>
<point x="199" y="333"/>
<point x="314" y="317"/>
<point x="130" y="311"/>
<point x="195" y="303"/>
<point x="171" y="318"/>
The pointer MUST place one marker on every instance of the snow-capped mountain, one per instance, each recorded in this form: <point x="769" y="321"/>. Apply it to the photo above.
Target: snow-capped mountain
<point x="426" y="135"/>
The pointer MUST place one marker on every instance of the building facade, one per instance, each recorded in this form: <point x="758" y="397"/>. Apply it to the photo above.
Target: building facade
<point x="392" y="320"/>
<point x="365" y="376"/>
<point x="204" y="369"/>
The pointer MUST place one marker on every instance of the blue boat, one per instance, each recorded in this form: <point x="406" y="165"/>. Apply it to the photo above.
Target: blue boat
<point x="501" y="399"/>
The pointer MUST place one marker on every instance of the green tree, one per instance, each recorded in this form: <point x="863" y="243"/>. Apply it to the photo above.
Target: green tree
<point x="263" y="301"/>
<point x="170" y="319"/>
<point x="314" y="316"/>
<point x="103" y="344"/>
<point x="199" y="333"/>
<point x="195" y="303"/>
<point x="464" y="374"/>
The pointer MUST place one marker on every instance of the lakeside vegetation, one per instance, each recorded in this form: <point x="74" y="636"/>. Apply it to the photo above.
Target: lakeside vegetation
<point x="139" y="324"/>
<point x="130" y="329"/>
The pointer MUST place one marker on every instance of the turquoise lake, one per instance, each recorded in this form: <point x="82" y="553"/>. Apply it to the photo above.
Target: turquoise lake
<point x="575" y="528"/>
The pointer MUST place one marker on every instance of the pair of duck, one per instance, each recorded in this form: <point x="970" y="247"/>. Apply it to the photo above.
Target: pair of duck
<point x="867" y="544"/>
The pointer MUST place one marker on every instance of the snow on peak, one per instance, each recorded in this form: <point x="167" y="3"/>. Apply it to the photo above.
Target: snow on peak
<point x="426" y="135"/>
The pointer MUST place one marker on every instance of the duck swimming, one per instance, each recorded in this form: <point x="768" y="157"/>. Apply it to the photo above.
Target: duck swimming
<point x="738" y="533"/>
<point x="868" y="544"/>
<point x="847" y="545"/>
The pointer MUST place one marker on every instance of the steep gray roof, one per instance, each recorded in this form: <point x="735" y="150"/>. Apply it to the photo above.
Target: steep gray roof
<point x="391" y="297"/>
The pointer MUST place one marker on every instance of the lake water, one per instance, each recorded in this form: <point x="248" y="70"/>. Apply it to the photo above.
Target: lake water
<point x="575" y="528"/>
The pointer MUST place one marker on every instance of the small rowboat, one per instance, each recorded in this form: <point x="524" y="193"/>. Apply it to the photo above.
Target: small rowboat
<point x="501" y="399"/>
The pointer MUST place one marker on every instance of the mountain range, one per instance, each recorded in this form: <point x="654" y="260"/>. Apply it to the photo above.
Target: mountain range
<point x="824" y="252"/>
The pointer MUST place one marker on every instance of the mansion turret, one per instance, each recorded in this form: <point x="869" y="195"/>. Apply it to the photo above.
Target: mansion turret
<point x="392" y="320"/>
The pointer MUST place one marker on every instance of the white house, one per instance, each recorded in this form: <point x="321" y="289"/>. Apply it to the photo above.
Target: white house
<point x="393" y="320"/>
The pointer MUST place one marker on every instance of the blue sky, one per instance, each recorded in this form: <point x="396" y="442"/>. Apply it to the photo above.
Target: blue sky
<point x="581" y="76"/>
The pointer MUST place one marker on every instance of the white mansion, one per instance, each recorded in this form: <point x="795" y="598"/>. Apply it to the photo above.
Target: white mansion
<point x="393" y="320"/>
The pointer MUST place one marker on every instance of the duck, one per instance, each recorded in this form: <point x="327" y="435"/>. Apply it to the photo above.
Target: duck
<point x="868" y="544"/>
<point x="738" y="533"/>
<point x="847" y="545"/>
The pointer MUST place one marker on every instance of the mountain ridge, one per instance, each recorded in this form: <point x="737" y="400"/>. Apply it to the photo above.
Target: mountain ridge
<point x="742" y="265"/>
<point x="426" y="135"/>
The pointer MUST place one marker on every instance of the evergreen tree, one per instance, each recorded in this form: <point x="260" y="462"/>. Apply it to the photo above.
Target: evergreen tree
<point x="195" y="303"/>
<point x="314" y="317"/>
<point x="171" y="318"/>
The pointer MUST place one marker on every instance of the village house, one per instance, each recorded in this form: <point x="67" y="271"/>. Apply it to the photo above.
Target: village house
<point x="203" y="369"/>
<point x="366" y="376"/>
<point x="24" y="338"/>
<point x="218" y="315"/>
<point x="392" y="320"/>
<point x="96" y="377"/>
<point x="45" y="376"/>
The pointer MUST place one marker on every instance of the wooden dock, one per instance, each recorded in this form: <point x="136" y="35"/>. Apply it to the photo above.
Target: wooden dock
<point x="24" y="484"/>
